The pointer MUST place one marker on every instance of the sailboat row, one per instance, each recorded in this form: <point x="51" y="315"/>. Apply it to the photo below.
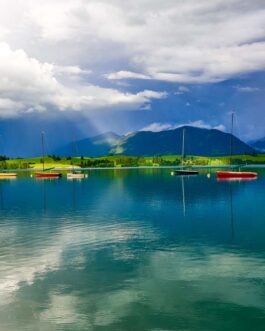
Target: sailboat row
<point x="75" y="174"/>
<point x="219" y="174"/>
<point x="51" y="174"/>
<point x="46" y="173"/>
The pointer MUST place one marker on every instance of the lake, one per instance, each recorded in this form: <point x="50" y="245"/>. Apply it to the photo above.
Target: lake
<point x="132" y="250"/>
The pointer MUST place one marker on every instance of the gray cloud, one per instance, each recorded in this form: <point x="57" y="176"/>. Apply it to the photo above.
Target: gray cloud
<point x="187" y="41"/>
<point x="184" y="42"/>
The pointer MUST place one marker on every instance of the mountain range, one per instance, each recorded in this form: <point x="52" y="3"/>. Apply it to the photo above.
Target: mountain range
<point x="198" y="141"/>
<point x="259" y="145"/>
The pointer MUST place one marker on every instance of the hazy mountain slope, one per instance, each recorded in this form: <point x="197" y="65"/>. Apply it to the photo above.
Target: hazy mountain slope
<point x="94" y="146"/>
<point x="259" y="144"/>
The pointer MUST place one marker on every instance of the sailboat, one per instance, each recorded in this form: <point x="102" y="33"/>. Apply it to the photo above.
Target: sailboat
<point x="183" y="172"/>
<point x="45" y="174"/>
<point x="74" y="174"/>
<point x="8" y="175"/>
<point x="234" y="174"/>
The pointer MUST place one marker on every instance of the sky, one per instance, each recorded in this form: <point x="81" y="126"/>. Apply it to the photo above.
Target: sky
<point x="93" y="66"/>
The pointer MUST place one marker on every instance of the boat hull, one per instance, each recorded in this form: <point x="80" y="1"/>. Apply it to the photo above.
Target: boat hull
<point x="8" y="174"/>
<point x="236" y="174"/>
<point x="184" y="172"/>
<point x="47" y="175"/>
<point x="73" y="175"/>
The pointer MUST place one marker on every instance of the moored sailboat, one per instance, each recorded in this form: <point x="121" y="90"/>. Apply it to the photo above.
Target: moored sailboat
<point x="74" y="174"/>
<point x="183" y="172"/>
<point x="8" y="175"/>
<point x="44" y="173"/>
<point x="235" y="174"/>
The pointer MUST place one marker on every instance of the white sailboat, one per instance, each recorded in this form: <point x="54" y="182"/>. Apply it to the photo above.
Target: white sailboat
<point x="8" y="175"/>
<point x="75" y="174"/>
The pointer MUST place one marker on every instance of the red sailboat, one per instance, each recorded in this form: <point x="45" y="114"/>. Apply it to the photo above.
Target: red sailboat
<point x="45" y="174"/>
<point x="235" y="174"/>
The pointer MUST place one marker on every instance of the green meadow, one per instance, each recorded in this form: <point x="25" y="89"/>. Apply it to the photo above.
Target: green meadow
<point x="127" y="161"/>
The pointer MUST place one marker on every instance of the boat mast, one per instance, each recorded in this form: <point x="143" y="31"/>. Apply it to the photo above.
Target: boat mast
<point x="231" y="138"/>
<point x="73" y="151"/>
<point x="183" y="146"/>
<point x="183" y="196"/>
<point x="42" y="148"/>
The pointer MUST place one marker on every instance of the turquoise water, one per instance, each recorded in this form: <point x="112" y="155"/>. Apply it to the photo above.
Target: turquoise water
<point x="132" y="250"/>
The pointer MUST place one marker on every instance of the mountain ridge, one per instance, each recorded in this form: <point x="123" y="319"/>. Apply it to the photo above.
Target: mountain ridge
<point x="198" y="141"/>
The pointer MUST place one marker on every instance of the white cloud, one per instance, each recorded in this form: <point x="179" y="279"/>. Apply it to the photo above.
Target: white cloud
<point x="146" y="107"/>
<point x="27" y="84"/>
<point x="247" y="89"/>
<point x="201" y="124"/>
<point x="3" y="32"/>
<point x="71" y="70"/>
<point x="125" y="75"/>
<point x="157" y="127"/>
<point x="182" y="90"/>
<point x="220" y="127"/>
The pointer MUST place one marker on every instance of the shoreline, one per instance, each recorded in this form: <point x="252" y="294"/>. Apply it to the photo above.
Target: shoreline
<point x="261" y="166"/>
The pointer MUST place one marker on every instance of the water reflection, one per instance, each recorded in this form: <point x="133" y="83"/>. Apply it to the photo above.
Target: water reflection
<point x="1" y="197"/>
<point x="183" y="196"/>
<point x="143" y="251"/>
<point x="231" y="212"/>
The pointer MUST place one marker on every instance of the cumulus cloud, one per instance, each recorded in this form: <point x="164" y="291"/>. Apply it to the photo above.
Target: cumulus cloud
<point x="157" y="127"/>
<point x="27" y="84"/>
<point x="67" y="54"/>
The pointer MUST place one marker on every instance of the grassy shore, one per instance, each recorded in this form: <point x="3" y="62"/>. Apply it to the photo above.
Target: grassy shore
<point x="127" y="161"/>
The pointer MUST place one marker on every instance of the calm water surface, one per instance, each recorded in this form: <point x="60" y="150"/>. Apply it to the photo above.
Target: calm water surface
<point x="132" y="250"/>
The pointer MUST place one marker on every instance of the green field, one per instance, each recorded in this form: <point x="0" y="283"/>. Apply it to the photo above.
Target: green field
<point x="127" y="161"/>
